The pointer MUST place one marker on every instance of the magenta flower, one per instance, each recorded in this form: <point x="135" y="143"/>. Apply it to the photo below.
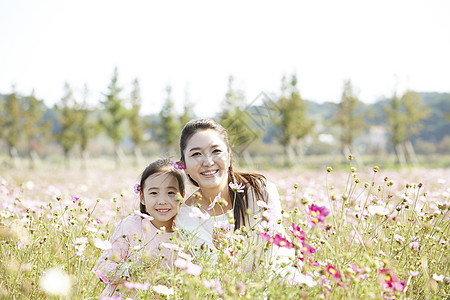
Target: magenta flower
<point x="101" y="276"/>
<point x="281" y="242"/>
<point x="297" y="231"/>
<point x="75" y="199"/>
<point x="178" y="165"/>
<point x="137" y="188"/>
<point x="333" y="272"/>
<point x="237" y="187"/>
<point x="317" y="213"/>
<point x="389" y="281"/>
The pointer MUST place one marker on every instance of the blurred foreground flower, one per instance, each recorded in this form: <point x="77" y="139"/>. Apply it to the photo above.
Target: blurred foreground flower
<point x="438" y="277"/>
<point x="188" y="266"/>
<point x="162" y="289"/>
<point x="136" y="285"/>
<point x="389" y="281"/>
<point x="55" y="282"/>
<point x="317" y="213"/>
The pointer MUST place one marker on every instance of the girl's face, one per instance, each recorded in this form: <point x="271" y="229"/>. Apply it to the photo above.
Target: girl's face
<point x="159" y="195"/>
<point x="207" y="159"/>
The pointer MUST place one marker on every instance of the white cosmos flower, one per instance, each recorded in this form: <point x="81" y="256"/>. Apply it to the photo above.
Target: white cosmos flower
<point x="162" y="289"/>
<point x="104" y="245"/>
<point x="55" y="282"/>
<point x="438" y="277"/>
<point x="378" y="210"/>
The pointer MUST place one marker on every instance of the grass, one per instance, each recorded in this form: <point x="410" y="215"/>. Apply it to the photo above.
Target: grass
<point x="385" y="236"/>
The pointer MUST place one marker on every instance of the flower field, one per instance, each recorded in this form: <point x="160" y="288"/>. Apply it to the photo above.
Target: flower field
<point x="354" y="234"/>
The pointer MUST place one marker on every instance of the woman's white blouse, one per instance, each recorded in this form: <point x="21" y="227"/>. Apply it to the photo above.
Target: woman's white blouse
<point x="199" y="231"/>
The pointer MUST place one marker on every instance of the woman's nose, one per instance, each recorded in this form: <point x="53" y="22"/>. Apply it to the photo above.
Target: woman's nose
<point x="207" y="160"/>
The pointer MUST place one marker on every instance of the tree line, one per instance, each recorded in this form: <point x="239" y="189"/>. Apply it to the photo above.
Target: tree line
<point x="286" y="120"/>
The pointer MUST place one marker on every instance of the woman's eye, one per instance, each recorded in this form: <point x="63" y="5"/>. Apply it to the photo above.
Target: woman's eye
<point x="217" y="151"/>
<point x="195" y="154"/>
<point x="153" y="193"/>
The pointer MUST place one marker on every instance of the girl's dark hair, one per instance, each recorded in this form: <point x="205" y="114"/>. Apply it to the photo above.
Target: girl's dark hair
<point x="253" y="180"/>
<point x="163" y="165"/>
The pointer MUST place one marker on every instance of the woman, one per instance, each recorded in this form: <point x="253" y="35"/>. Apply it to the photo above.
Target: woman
<point x="206" y="155"/>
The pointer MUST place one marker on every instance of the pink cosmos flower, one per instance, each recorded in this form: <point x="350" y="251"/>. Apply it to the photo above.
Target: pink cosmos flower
<point x="188" y="266"/>
<point x="214" y="201"/>
<point x="414" y="273"/>
<point x="136" y="285"/>
<point x="389" y="281"/>
<point x="137" y="188"/>
<point x="281" y="242"/>
<point x="266" y="237"/>
<point x="357" y="269"/>
<point x="414" y="245"/>
<point x="178" y="165"/>
<point x="101" y="276"/>
<point x="333" y="272"/>
<point x="197" y="213"/>
<point x="317" y="213"/>
<point x="75" y="199"/>
<point x="144" y="216"/>
<point x="237" y="187"/>
<point x="214" y="284"/>
<point x="306" y="249"/>
<point x="263" y="204"/>
<point x="297" y="231"/>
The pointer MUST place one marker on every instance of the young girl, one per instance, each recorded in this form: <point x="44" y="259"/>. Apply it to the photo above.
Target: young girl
<point x="136" y="236"/>
<point x="206" y="155"/>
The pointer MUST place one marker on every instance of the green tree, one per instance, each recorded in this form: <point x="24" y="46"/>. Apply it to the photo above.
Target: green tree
<point x="293" y="124"/>
<point x="169" y="128"/>
<point x="235" y="120"/>
<point x="68" y="120"/>
<point x="134" y="120"/>
<point x="350" y="121"/>
<point x="404" y="116"/>
<point x="11" y="123"/>
<point x="36" y="129"/>
<point x="86" y="127"/>
<point x="188" y="109"/>
<point x="114" y="115"/>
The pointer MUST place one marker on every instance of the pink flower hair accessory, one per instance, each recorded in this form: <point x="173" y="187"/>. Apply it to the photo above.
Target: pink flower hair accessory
<point x="137" y="188"/>
<point x="178" y="165"/>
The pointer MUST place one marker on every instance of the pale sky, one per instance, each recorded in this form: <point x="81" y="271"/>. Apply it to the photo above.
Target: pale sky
<point x="381" y="46"/>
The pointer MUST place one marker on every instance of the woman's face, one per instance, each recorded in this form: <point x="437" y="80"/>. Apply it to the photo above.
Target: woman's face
<point x="207" y="159"/>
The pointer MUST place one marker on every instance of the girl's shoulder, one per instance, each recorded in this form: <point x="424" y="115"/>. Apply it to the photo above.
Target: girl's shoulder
<point x="130" y="223"/>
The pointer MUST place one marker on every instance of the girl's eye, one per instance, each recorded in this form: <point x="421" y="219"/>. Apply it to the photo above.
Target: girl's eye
<point x="217" y="151"/>
<point x="153" y="193"/>
<point x="172" y="193"/>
